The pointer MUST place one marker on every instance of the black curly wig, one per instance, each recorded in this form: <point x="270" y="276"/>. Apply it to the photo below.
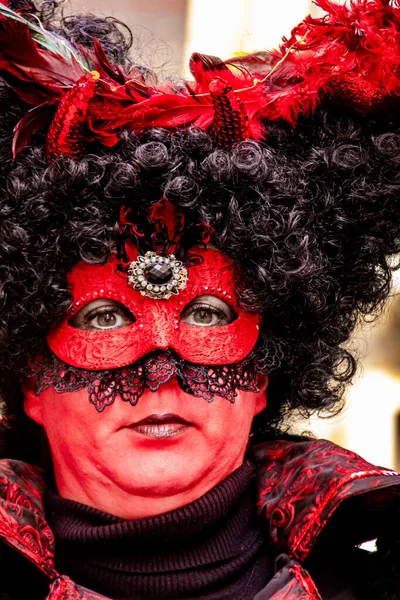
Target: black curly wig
<point x="311" y="217"/>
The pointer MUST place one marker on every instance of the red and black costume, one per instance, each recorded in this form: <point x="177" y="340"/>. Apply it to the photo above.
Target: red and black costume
<point x="313" y="497"/>
<point x="271" y="181"/>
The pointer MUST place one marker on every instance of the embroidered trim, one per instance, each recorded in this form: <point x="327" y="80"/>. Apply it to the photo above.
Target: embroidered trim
<point x="311" y="469"/>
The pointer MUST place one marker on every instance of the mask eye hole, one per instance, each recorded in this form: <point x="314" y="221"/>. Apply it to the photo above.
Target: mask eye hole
<point x="208" y="311"/>
<point x="102" y="315"/>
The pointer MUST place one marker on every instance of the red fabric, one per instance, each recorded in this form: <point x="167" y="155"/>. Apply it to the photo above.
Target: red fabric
<point x="157" y="324"/>
<point x="301" y="579"/>
<point x="301" y="486"/>
<point x="22" y="521"/>
<point x="65" y="589"/>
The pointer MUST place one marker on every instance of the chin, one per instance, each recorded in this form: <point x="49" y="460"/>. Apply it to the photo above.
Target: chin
<point x="160" y="474"/>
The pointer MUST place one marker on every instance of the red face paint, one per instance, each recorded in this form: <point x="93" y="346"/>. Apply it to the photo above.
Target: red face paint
<point x="103" y="460"/>
<point x="157" y="323"/>
<point x="111" y="463"/>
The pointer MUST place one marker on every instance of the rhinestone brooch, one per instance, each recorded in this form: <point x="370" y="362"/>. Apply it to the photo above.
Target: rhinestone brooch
<point x="157" y="277"/>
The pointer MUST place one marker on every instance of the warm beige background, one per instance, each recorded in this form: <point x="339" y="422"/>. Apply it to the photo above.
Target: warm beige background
<point x="167" y="32"/>
<point x="175" y="28"/>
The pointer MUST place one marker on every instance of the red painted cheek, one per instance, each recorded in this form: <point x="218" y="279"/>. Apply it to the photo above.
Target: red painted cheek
<point x="104" y="448"/>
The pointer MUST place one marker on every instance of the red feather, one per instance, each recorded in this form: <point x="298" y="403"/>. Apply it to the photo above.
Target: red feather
<point x="37" y="118"/>
<point x="126" y="225"/>
<point x="206" y="232"/>
<point x="351" y="54"/>
<point x="114" y="72"/>
<point x="205" y="69"/>
<point x="36" y="75"/>
<point x="355" y="52"/>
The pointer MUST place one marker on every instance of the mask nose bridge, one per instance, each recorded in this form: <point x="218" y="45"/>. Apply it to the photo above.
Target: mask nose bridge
<point x="162" y="327"/>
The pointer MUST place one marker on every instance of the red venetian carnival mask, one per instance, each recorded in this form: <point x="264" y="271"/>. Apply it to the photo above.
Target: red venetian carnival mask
<point x="158" y="324"/>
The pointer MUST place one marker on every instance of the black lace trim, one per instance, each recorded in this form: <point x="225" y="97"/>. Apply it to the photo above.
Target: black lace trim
<point x="150" y="372"/>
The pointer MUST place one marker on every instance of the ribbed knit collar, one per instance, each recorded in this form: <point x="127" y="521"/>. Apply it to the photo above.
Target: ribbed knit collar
<point x="162" y="556"/>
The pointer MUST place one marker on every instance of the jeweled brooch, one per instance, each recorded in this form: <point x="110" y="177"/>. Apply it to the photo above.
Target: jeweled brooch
<point x="157" y="276"/>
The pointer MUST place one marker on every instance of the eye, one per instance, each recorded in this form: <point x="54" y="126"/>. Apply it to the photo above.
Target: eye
<point x="208" y="311"/>
<point x="101" y="315"/>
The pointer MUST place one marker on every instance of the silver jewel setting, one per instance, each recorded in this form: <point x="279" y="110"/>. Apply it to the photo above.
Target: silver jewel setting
<point x="157" y="277"/>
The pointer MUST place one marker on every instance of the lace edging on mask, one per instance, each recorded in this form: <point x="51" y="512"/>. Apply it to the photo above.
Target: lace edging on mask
<point x="150" y="372"/>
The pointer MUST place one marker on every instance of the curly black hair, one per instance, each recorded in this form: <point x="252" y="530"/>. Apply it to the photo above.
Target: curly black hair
<point x="310" y="216"/>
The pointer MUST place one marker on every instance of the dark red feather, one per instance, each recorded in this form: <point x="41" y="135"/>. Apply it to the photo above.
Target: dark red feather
<point x="351" y="54"/>
<point x="114" y="72"/>
<point x="36" y="75"/>
<point x="36" y="119"/>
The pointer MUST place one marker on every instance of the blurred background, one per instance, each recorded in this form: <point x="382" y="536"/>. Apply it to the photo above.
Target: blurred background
<point x="166" y="32"/>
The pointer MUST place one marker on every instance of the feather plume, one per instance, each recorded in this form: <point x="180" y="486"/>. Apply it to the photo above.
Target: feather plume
<point x="351" y="55"/>
<point x="37" y="118"/>
<point x="49" y="41"/>
<point x="41" y="64"/>
<point x="126" y="226"/>
<point x="113" y="71"/>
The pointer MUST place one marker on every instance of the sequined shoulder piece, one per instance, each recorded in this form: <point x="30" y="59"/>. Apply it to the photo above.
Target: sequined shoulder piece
<point x="23" y="527"/>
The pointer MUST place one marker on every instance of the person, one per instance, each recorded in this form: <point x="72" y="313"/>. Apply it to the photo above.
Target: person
<point x="181" y="269"/>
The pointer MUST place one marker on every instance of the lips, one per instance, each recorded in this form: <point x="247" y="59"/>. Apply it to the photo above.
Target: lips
<point x="163" y="419"/>
<point x="163" y="426"/>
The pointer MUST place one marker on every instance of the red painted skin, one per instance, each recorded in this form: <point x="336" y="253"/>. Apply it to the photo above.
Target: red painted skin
<point x="101" y="459"/>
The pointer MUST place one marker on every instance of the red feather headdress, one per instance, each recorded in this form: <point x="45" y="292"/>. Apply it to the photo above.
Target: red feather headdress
<point x="352" y="55"/>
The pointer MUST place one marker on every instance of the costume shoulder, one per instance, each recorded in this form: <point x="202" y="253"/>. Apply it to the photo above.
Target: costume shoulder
<point x="306" y="487"/>
<point x="27" y="542"/>
<point x="320" y="503"/>
<point x="22" y="522"/>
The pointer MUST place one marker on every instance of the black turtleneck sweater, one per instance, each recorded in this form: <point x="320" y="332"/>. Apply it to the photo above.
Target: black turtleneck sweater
<point x="210" y="549"/>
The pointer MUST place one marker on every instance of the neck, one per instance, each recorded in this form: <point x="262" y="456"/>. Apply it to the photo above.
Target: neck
<point x="160" y="557"/>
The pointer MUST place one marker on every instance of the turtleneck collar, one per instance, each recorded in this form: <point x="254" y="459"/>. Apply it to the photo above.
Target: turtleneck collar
<point x="211" y="544"/>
